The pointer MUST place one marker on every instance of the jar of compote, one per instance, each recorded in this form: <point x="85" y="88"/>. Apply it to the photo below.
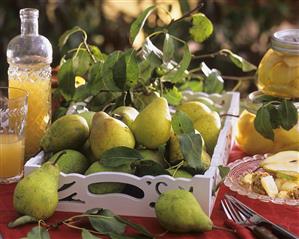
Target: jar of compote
<point x="278" y="71"/>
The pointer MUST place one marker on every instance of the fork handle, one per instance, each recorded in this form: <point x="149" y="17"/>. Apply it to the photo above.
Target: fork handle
<point x="282" y="233"/>
<point x="263" y="233"/>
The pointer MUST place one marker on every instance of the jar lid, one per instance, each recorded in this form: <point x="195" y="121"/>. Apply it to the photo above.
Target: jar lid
<point x="286" y="41"/>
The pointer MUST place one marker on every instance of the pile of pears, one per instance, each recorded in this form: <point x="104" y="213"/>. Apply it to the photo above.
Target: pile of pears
<point x="75" y="143"/>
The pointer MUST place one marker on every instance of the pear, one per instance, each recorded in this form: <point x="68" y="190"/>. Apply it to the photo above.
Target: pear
<point x="36" y="194"/>
<point x="108" y="132"/>
<point x="107" y="187"/>
<point x="67" y="132"/>
<point x="179" y="173"/>
<point x="179" y="211"/>
<point x="153" y="125"/>
<point x="141" y="100"/>
<point x="88" y="115"/>
<point x="194" y="109"/>
<point x="127" y="114"/>
<point x="70" y="161"/>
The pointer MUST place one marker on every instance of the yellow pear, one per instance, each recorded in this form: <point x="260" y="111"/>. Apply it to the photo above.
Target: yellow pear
<point x="194" y="109"/>
<point x="153" y="124"/>
<point x="107" y="132"/>
<point x="127" y="114"/>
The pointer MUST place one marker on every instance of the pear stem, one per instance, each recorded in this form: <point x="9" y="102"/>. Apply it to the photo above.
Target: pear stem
<point x="58" y="157"/>
<point x="223" y="228"/>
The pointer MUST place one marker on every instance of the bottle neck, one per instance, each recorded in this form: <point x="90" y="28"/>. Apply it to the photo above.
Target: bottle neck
<point x="29" y="26"/>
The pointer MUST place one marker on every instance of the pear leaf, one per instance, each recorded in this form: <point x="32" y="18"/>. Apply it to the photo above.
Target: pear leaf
<point x="96" y="52"/>
<point x="139" y="228"/>
<point x="137" y="25"/>
<point x="173" y="96"/>
<point x="202" y="27"/>
<point x="223" y="171"/>
<point x="262" y="123"/>
<point x="194" y="85"/>
<point x="148" y="65"/>
<point x="178" y="74"/>
<point x="274" y="116"/>
<point x="126" y="70"/>
<point x="22" y="221"/>
<point x="288" y="114"/>
<point x="191" y="147"/>
<point x="168" y="48"/>
<point x="239" y="61"/>
<point x="66" y="79"/>
<point x="149" y="167"/>
<point x="214" y="82"/>
<point x="38" y="232"/>
<point x="118" y="156"/>
<point x="85" y="234"/>
<point x="81" y="93"/>
<point x="181" y="123"/>
<point x="105" y="222"/>
<point x="81" y="62"/>
<point x="66" y="35"/>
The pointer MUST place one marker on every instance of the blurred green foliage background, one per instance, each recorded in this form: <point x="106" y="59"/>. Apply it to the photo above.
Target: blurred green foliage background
<point x="244" y="26"/>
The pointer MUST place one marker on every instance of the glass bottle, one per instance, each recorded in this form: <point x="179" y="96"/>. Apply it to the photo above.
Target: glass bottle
<point x="252" y="142"/>
<point x="278" y="71"/>
<point x="29" y="56"/>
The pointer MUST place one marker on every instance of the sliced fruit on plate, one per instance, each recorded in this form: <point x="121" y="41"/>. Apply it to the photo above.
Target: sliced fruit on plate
<point x="269" y="185"/>
<point x="285" y="162"/>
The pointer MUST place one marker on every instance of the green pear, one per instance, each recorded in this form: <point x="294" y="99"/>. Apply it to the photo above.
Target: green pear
<point x="127" y="114"/>
<point x="179" y="173"/>
<point x="153" y="125"/>
<point x="141" y="100"/>
<point x="154" y="155"/>
<point x="205" y="160"/>
<point x="67" y="132"/>
<point x="179" y="211"/>
<point x="37" y="193"/>
<point x="108" y="132"/>
<point x="194" y="109"/>
<point x="70" y="161"/>
<point x="88" y="115"/>
<point x="86" y="150"/>
<point x="209" y="126"/>
<point x="106" y="187"/>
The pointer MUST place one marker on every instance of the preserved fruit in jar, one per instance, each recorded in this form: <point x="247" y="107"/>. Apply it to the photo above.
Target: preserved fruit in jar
<point x="278" y="71"/>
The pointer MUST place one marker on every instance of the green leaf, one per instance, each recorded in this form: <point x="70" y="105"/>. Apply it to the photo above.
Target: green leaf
<point x="22" y="221"/>
<point x="149" y="167"/>
<point x="147" y="66"/>
<point x="118" y="156"/>
<point x="137" y="227"/>
<point x="137" y="25"/>
<point x="96" y="52"/>
<point x="181" y="123"/>
<point x="274" y="116"/>
<point x="81" y="63"/>
<point x="66" y="79"/>
<point x="191" y="147"/>
<point x="202" y="27"/>
<point x="168" y="48"/>
<point x="65" y="36"/>
<point x="288" y="114"/>
<point x="85" y="234"/>
<point x="38" y="232"/>
<point x="81" y="93"/>
<point x="194" y="85"/>
<point x="223" y="171"/>
<point x="213" y="83"/>
<point x="179" y="74"/>
<point x="262" y="123"/>
<point x="126" y="70"/>
<point x="105" y="222"/>
<point x="173" y="96"/>
<point x="239" y="61"/>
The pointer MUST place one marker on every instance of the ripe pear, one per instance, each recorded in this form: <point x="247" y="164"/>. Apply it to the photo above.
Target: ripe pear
<point x="179" y="211"/>
<point x="88" y="115"/>
<point x="108" y="132"/>
<point x="194" y="109"/>
<point x="127" y="114"/>
<point x="70" y="161"/>
<point x="67" y="132"/>
<point x="141" y="100"/>
<point x="107" y="187"/>
<point x="37" y="193"/>
<point x="153" y="125"/>
<point x="209" y="126"/>
<point x="179" y="173"/>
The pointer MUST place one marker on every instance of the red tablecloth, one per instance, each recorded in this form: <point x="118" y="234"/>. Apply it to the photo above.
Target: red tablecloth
<point x="287" y="216"/>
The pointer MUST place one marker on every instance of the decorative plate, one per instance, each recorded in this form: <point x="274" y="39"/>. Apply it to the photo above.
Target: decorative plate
<point x="245" y="165"/>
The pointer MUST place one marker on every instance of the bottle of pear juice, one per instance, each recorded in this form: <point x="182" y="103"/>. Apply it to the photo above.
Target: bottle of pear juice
<point x="29" y="56"/>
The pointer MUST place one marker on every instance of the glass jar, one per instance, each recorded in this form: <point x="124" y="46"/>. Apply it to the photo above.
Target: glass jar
<point x="252" y="142"/>
<point x="29" y="56"/>
<point x="278" y="71"/>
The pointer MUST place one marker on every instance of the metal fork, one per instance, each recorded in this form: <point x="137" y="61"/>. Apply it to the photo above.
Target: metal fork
<point x="235" y="215"/>
<point x="254" y="218"/>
